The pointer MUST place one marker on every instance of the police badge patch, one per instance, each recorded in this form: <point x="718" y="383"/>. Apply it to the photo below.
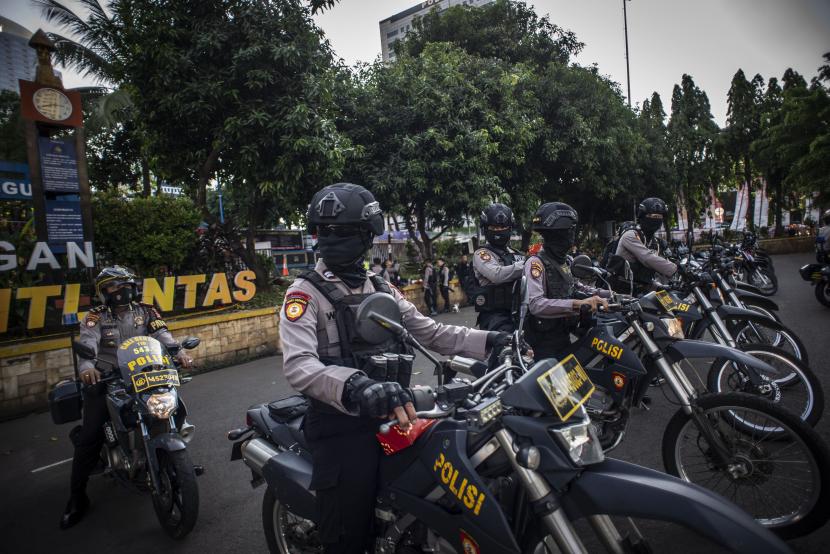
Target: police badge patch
<point x="295" y="305"/>
<point x="485" y="256"/>
<point x="535" y="269"/>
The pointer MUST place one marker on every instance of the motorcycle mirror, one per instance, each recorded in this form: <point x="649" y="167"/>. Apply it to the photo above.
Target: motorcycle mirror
<point x="378" y="318"/>
<point x="83" y="351"/>
<point x="190" y="343"/>
<point x="582" y="267"/>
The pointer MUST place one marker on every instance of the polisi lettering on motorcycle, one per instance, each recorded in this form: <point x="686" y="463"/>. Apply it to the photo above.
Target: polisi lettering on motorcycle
<point x="466" y="492"/>
<point x="148" y="359"/>
<point x="604" y="347"/>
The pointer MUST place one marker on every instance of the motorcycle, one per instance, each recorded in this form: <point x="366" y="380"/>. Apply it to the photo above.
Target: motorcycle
<point x="505" y="464"/>
<point x="146" y="436"/>
<point x="819" y="276"/>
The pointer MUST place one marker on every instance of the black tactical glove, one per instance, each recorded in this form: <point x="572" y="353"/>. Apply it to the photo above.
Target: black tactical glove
<point x="374" y="398"/>
<point x="497" y="339"/>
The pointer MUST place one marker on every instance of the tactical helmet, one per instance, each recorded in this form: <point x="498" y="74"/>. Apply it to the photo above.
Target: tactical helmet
<point x="119" y="276"/>
<point x="651" y="206"/>
<point x="496" y="214"/>
<point x="345" y="204"/>
<point x="554" y="216"/>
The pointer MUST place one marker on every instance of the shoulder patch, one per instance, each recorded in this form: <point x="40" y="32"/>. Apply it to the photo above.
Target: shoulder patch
<point x="484" y="255"/>
<point x="296" y="303"/>
<point x="91" y="319"/>
<point x="536" y="269"/>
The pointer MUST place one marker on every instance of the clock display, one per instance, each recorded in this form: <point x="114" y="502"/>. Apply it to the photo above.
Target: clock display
<point x="52" y="103"/>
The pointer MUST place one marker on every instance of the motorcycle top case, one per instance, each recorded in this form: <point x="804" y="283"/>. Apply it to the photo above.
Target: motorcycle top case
<point x="811" y="272"/>
<point x="65" y="402"/>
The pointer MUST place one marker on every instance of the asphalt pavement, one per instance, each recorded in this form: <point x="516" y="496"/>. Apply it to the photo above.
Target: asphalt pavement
<point x="34" y="453"/>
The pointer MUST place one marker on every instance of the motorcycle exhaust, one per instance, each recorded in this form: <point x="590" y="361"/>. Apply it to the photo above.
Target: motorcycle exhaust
<point x="256" y="453"/>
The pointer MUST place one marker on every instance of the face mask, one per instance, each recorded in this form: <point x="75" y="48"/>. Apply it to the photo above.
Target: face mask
<point x="650" y="225"/>
<point x="559" y="243"/>
<point x="344" y="256"/>
<point x="121" y="297"/>
<point x="498" y="238"/>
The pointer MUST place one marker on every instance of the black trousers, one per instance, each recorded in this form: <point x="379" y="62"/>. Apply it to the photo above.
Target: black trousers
<point x="346" y="457"/>
<point x="89" y="441"/>
<point x="548" y="345"/>
<point x="429" y="300"/>
<point x="445" y="294"/>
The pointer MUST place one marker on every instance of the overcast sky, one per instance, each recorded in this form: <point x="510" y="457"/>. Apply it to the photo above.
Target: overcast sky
<point x="708" y="39"/>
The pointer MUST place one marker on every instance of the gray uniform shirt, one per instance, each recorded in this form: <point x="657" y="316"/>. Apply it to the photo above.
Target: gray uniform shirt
<point x="825" y="232"/>
<point x="444" y="276"/>
<point x="541" y="306"/>
<point x="427" y="276"/>
<point x="308" y="330"/>
<point x="101" y="327"/>
<point x="489" y="270"/>
<point x="632" y="249"/>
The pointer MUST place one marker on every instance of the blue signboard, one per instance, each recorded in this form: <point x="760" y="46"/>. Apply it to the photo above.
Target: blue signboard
<point x="64" y="222"/>
<point x="58" y="165"/>
<point x="14" y="181"/>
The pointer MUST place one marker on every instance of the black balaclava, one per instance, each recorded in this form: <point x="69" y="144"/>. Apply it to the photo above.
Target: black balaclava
<point x="558" y="242"/>
<point x="122" y="296"/>
<point x="344" y="256"/>
<point x="650" y="225"/>
<point x="498" y="239"/>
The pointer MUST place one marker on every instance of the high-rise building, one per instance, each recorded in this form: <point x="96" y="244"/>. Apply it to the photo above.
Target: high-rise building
<point x="17" y="60"/>
<point x="396" y="27"/>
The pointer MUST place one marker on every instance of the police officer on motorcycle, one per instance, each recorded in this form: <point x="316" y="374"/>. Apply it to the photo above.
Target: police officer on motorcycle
<point x="823" y="240"/>
<point x="350" y="392"/>
<point x="118" y="317"/>
<point x="641" y="250"/>
<point x="554" y="296"/>
<point x="496" y="267"/>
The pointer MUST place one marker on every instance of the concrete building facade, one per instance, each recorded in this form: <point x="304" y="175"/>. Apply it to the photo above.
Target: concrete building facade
<point x="396" y="27"/>
<point x="17" y="60"/>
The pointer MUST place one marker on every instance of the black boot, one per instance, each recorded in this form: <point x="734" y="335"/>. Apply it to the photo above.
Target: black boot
<point x="75" y="510"/>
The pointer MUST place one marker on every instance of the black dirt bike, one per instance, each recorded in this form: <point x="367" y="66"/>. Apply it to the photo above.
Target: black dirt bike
<point x="819" y="276"/>
<point x="502" y="464"/>
<point x="146" y="436"/>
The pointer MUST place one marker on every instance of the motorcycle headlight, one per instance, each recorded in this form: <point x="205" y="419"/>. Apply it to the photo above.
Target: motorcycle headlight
<point x="674" y="326"/>
<point x="580" y="442"/>
<point x="161" y="405"/>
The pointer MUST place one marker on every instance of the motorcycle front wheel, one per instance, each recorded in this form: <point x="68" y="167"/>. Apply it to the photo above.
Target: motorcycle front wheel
<point x="285" y="532"/>
<point x="823" y="293"/>
<point x="780" y="478"/>
<point x="177" y="502"/>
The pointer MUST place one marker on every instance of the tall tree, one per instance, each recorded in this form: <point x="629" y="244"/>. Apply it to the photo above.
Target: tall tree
<point x="743" y="123"/>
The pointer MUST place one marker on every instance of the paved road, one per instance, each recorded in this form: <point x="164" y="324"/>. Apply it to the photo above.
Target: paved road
<point x="123" y="521"/>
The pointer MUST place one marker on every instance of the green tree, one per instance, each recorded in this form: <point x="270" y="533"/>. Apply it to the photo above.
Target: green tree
<point x="691" y="134"/>
<point x="12" y="138"/>
<point x="743" y="124"/>
<point x="657" y="176"/>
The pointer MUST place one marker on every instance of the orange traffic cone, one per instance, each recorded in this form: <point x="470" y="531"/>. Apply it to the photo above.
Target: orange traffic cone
<point x="285" y="266"/>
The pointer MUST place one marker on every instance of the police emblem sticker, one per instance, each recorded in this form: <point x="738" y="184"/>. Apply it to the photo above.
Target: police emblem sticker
<point x="295" y="305"/>
<point x="485" y="256"/>
<point x="535" y="269"/>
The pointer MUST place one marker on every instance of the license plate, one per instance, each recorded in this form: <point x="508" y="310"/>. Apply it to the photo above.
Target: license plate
<point x="149" y="379"/>
<point x="567" y="386"/>
<point x="665" y="299"/>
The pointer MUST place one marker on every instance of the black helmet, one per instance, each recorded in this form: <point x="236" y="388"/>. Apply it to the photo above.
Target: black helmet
<point x="496" y="214"/>
<point x="553" y="216"/>
<point x="652" y="206"/>
<point x="116" y="275"/>
<point x="345" y="204"/>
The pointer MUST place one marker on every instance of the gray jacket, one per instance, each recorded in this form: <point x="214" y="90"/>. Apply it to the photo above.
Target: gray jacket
<point x="632" y="249"/>
<point x="308" y="330"/>
<point x="540" y="305"/>
<point x="489" y="270"/>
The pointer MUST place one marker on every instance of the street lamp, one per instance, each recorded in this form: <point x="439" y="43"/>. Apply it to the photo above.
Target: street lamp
<point x="627" y="68"/>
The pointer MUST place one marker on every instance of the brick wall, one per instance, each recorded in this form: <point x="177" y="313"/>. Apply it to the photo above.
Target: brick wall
<point x="415" y="294"/>
<point x="29" y="370"/>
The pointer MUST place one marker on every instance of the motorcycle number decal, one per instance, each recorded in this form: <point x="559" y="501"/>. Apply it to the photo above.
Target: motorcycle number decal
<point x="466" y="492"/>
<point x="295" y="305"/>
<point x="567" y="386"/>
<point x="604" y="347"/>
<point x="468" y="544"/>
<point x="535" y="269"/>
<point x="150" y="379"/>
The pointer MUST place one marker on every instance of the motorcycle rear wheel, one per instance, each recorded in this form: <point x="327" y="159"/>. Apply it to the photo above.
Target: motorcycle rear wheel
<point x="823" y="293"/>
<point x="793" y="464"/>
<point x="177" y="503"/>
<point x="287" y="533"/>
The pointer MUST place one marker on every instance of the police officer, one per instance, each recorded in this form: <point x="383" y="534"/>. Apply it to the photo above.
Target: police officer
<point x="430" y="289"/>
<point x="444" y="283"/>
<point x="496" y="267"/>
<point x="351" y="391"/>
<point x="554" y="296"/>
<point x="641" y="250"/>
<point x="119" y="317"/>
<point x="823" y="239"/>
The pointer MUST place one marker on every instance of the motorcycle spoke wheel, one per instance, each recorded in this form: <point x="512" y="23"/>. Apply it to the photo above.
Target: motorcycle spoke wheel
<point x="286" y="532"/>
<point x="758" y="333"/>
<point x="176" y="503"/>
<point x="777" y="477"/>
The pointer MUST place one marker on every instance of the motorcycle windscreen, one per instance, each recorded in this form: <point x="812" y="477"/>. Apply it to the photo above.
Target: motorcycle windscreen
<point x="144" y="364"/>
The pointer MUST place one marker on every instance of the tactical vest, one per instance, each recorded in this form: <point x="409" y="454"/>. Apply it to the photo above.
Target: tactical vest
<point x="642" y="275"/>
<point x="559" y="283"/>
<point x="495" y="298"/>
<point x="389" y="361"/>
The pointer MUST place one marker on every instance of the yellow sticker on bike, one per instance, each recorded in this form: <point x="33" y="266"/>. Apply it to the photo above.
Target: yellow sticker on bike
<point x="665" y="299"/>
<point x="151" y="379"/>
<point x="567" y="386"/>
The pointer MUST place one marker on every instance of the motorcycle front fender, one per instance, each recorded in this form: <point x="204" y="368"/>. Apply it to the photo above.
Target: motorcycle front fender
<point x="169" y="442"/>
<point x="746" y="286"/>
<point x="680" y="349"/>
<point x="727" y="313"/>
<point x="619" y="488"/>
<point x="757" y="299"/>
